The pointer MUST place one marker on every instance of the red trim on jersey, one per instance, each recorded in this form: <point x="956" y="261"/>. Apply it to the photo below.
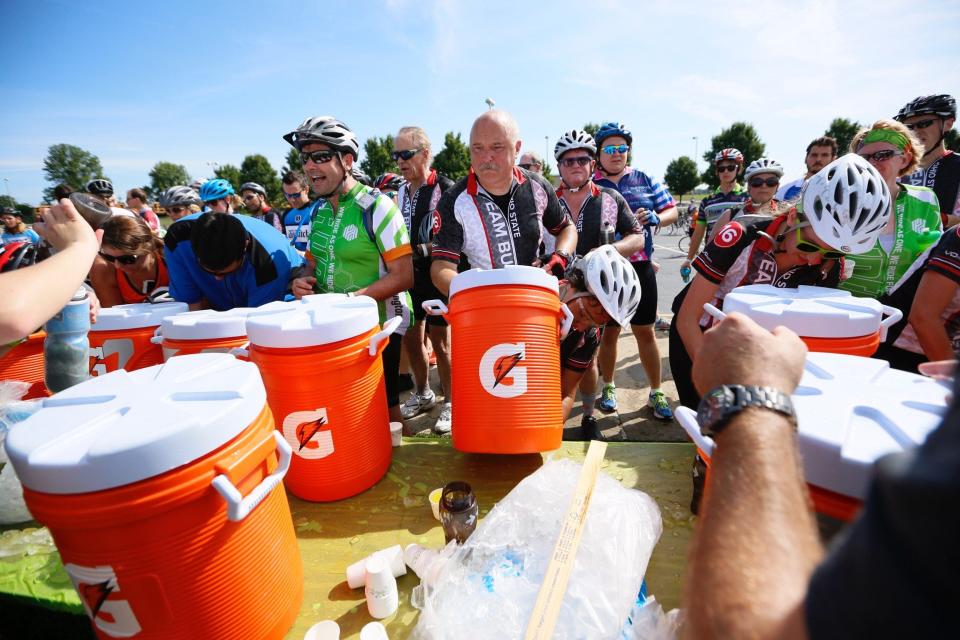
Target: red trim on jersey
<point x="473" y="185"/>
<point x="594" y="189"/>
<point x="944" y="265"/>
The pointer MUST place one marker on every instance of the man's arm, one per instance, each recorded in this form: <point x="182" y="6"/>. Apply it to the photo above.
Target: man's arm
<point x="442" y="273"/>
<point x="567" y="239"/>
<point x="399" y="277"/>
<point x="933" y="295"/>
<point x="699" y="231"/>
<point x="756" y="543"/>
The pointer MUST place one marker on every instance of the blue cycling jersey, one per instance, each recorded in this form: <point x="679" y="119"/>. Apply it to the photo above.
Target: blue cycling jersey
<point x="296" y="224"/>
<point x="27" y="235"/>
<point x="264" y="275"/>
<point x="640" y="190"/>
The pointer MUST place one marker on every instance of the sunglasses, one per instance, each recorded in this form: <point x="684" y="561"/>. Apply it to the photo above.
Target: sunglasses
<point x="579" y="161"/>
<point x="759" y="182"/>
<point x="722" y="168"/>
<point x="611" y="149"/>
<point x="176" y="210"/>
<point x="126" y="260"/>
<point x="529" y="165"/>
<point x="406" y="154"/>
<point x="318" y="157"/>
<point x="880" y="156"/>
<point x="920" y="124"/>
<point x="806" y="246"/>
<point x="249" y="197"/>
<point x="293" y="196"/>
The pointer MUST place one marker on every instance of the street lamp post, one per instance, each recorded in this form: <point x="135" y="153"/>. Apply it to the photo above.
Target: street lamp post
<point x="546" y="151"/>
<point x="6" y="183"/>
<point x="696" y="145"/>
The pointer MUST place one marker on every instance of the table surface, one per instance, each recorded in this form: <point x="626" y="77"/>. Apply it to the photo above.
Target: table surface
<point x="396" y="511"/>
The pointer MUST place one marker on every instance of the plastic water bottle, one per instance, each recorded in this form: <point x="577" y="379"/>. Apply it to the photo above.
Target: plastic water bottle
<point x="66" y="349"/>
<point x="685" y="273"/>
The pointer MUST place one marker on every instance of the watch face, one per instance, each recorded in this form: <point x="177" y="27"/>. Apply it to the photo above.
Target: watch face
<point x="712" y="406"/>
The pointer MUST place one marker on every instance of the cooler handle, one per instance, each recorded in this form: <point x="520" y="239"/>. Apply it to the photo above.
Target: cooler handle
<point x="713" y="311"/>
<point x="240" y="352"/>
<point x="688" y="420"/>
<point x="239" y="507"/>
<point x="388" y="327"/>
<point x="893" y="318"/>
<point x="156" y="338"/>
<point x="434" y="307"/>
<point x="567" y="321"/>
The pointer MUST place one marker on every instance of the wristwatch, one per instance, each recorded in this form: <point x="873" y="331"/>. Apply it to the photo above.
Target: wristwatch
<point x="722" y="403"/>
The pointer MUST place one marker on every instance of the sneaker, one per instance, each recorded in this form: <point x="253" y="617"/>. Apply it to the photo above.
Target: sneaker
<point x="608" y="399"/>
<point x="444" y="423"/>
<point x="661" y="408"/>
<point x="589" y="429"/>
<point x="417" y="404"/>
<point x="661" y="324"/>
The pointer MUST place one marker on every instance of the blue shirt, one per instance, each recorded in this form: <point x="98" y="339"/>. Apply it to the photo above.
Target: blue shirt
<point x="268" y="266"/>
<point x="296" y="224"/>
<point x="640" y="190"/>
<point x="27" y="235"/>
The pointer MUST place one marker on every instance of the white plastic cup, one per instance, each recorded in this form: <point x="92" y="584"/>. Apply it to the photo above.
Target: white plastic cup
<point x="396" y="433"/>
<point x="381" y="589"/>
<point x="326" y="630"/>
<point x="373" y="631"/>
<point x="434" y="497"/>
<point x="426" y="563"/>
<point x="393" y="556"/>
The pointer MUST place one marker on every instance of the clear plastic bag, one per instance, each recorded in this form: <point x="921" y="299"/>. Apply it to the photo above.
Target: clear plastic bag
<point x="12" y="410"/>
<point x="488" y="587"/>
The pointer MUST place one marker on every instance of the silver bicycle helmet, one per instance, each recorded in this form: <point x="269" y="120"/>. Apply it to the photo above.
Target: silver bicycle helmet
<point x="326" y="130"/>
<point x="763" y="165"/>
<point x="179" y="196"/>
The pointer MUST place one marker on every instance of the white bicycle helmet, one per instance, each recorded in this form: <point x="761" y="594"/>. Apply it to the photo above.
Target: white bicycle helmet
<point x="327" y="130"/>
<point x="611" y="278"/>
<point x="179" y="196"/>
<point x="575" y="139"/>
<point x="847" y="204"/>
<point x="763" y="165"/>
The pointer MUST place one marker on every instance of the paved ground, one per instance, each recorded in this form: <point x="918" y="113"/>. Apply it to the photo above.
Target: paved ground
<point x="634" y="417"/>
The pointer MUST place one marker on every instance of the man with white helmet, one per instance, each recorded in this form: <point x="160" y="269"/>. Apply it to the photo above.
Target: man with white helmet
<point x="820" y="153"/>
<point x="179" y="201"/>
<point x="599" y="213"/>
<point x="762" y="177"/>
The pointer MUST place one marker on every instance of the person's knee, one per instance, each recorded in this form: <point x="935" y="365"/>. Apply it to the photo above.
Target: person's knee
<point x="440" y="339"/>
<point x="644" y="333"/>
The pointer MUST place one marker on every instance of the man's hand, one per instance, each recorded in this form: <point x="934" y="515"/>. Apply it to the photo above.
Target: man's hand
<point x="556" y="264"/>
<point x="739" y="351"/>
<point x="303" y="286"/>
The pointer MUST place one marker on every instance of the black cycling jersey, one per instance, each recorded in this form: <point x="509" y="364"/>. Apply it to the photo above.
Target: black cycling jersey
<point x="603" y="206"/>
<point x="943" y="176"/>
<point x="417" y="209"/>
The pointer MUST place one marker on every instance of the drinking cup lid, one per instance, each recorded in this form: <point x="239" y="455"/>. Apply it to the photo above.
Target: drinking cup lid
<point x="136" y="316"/>
<point x="510" y="275"/>
<point x="318" y="321"/>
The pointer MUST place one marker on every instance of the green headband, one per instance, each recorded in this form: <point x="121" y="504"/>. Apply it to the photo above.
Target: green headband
<point x="895" y="138"/>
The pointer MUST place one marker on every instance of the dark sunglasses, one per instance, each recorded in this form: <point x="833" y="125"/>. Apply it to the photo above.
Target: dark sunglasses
<point x="880" y="156"/>
<point x="406" y="154"/>
<point x="611" y="149"/>
<point x="721" y="168"/>
<point x="759" y="182"/>
<point x="318" y="157"/>
<point x="580" y="161"/>
<point x="291" y="196"/>
<point x="808" y="247"/>
<point x="176" y="210"/>
<point x="920" y="124"/>
<point x="127" y="260"/>
<point x="249" y="197"/>
<point x="529" y="165"/>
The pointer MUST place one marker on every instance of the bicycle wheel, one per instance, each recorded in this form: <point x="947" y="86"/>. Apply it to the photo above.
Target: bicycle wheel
<point x="684" y="243"/>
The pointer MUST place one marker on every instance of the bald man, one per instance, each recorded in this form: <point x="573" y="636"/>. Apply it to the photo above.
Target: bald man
<point x="492" y="216"/>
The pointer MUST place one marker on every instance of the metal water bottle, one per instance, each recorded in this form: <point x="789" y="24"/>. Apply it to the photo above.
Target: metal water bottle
<point x="66" y="349"/>
<point x="606" y="234"/>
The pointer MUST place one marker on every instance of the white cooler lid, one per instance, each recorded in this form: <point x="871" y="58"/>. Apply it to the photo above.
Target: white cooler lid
<point x="206" y="324"/>
<point x="853" y="410"/>
<point x="136" y="316"/>
<point x="127" y="426"/>
<point x="813" y="312"/>
<point x="512" y="274"/>
<point x="316" y="322"/>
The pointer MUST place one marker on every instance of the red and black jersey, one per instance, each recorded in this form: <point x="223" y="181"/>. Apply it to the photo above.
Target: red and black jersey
<point x="943" y="176"/>
<point x="602" y="207"/>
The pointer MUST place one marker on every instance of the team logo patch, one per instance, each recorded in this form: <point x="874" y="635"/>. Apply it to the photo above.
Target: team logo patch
<point x="436" y="223"/>
<point x="350" y="233"/>
<point x="729" y="235"/>
<point x="919" y="226"/>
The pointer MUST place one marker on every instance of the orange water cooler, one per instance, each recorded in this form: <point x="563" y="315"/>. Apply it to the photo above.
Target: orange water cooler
<point x="321" y="364"/>
<point x="505" y="328"/>
<point x="24" y="362"/>
<point x="121" y="338"/>
<point x="203" y="331"/>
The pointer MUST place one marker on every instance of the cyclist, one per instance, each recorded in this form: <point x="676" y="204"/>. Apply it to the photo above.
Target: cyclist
<point x="931" y="118"/>
<point x="102" y="190"/>
<point x="727" y="195"/>
<point x="653" y="206"/>
<point x="179" y="201"/>
<point x="297" y="219"/>
<point x="254" y="198"/>
<point x="14" y="229"/>
<point x="418" y="194"/>
<point x="358" y="242"/>
<point x="820" y="153"/>
<point x="137" y="203"/>
<point x="388" y="183"/>
<point x="843" y="210"/>
<point x="598" y="213"/>
<point x="531" y="161"/>
<point x="601" y="287"/>
<point x="914" y="223"/>
<point x="763" y="178"/>
<point x="217" y="195"/>
<point x="130" y="267"/>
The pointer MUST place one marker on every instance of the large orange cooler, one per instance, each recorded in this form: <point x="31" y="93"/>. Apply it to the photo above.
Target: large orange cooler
<point x="162" y="490"/>
<point x="121" y="336"/>
<point x="321" y="365"/>
<point x="851" y="411"/>
<point x="24" y="362"/>
<point x="830" y="320"/>
<point x="505" y="329"/>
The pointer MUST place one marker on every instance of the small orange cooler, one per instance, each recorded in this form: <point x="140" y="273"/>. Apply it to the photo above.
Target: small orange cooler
<point x="121" y="336"/>
<point x="851" y="411"/>
<point x="505" y="328"/>
<point x="829" y="320"/>
<point x="204" y="331"/>
<point x="162" y="490"/>
<point x="321" y="365"/>
<point x="24" y="362"/>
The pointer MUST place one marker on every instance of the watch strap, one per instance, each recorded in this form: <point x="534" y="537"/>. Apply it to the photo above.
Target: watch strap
<point x="726" y="401"/>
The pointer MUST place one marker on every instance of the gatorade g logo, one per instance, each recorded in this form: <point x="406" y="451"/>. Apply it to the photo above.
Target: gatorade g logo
<point x="100" y="593"/>
<point x="99" y="356"/>
<point x="501" y="373"/>
<point x="728" y="236"/>
<point x="309" y="434"/>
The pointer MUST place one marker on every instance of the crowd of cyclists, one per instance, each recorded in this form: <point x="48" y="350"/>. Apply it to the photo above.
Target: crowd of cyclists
<point x="878" y="221"/>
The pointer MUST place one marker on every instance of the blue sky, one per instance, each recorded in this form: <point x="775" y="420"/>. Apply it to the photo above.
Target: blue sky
<point x="200" y="82"/>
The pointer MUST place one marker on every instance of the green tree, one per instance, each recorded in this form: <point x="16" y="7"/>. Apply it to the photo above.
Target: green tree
<point x="69" y="164"/>
<point x="952" y="139"/>
<point x="591" y="128"/>
<point x="453" y="160"/>
<point x="842" y="130"/>
<point x="739" y="135"/>
<point x="292" y="162"/>
<point x="256" y="168"/>
<point x="682" y="176"/>
<point x="229" y="173"/>
<point x="165" y="175"/>
<point x="377" y="159"/>
<point x="25" y="210"/>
